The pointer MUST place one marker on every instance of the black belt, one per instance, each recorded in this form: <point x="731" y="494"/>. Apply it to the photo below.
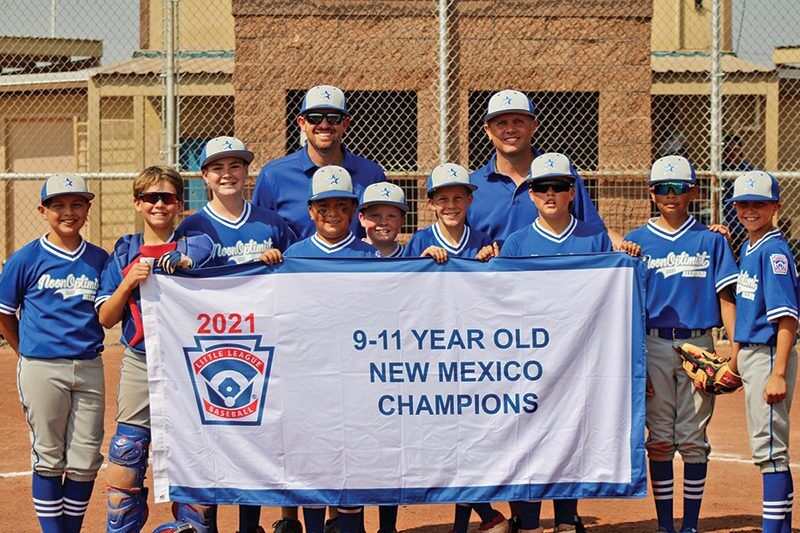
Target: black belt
<point x="676" y="333"/>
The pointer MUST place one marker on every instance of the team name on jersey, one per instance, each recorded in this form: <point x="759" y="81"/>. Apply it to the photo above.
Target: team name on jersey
<point x="243" y="252"/>
<point x="71" y="286"/>
<point x="688" y="266"/>
<point x="747" y="286"/>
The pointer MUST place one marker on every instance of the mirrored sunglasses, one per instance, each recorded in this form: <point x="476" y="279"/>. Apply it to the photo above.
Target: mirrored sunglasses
<point x="677" y="187"/>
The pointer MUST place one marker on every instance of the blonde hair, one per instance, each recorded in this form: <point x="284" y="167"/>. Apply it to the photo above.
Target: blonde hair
<point x="156" y="173"/>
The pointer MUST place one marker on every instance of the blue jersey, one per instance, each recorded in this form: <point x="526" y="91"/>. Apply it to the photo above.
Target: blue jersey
<point x="578" y="238"/>
<point x="283" y="186"/>
<point x="127" y="250"/>
<point x="350" y="247"/>
<point x="399" y="251"/>
<point x="500" y="207"/>
<point x="470" y="244"/>
<point x="242" y="240"/>
<point x="54" y="290"/>
<point x="685" y="271"/>
<point x="766" y="290"/>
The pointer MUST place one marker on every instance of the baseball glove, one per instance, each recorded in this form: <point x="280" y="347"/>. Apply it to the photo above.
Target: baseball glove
<point x="710" y="374"/>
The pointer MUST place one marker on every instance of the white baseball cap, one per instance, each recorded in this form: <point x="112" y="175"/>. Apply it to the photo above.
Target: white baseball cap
<point x="756" y="185"/>
<point x="448" y="174"/>
<point x="672" y="168"/>
<point x="324" y="97"/>
<point x="552" y="165"/>
<point x="331" y="182"/>
<point x="508" y="101"/>
<point x="58" y="184"/>
<point x="220" y="147"/>
<point x="384" y="193"/>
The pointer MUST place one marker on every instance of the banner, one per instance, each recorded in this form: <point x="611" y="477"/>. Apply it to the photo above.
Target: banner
<point x="398" y="381"/>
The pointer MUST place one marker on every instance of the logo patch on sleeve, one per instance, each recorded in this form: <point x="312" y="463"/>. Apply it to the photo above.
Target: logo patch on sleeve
<point x="780" y="264"/>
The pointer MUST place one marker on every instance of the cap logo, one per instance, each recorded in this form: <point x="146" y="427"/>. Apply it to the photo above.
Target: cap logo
<point x="507" y="100"/>
<point x="68" y="182"/>
<point x="326" y="94"/>
<point x="334" y="180"/>
<point x="751" y="183"/>
<point x="670" y="168"/>
<point x="385" y="192"/>
<point x="228" y="145"/>
<point x="453" y="172"/>
<point x="550" y="163"/>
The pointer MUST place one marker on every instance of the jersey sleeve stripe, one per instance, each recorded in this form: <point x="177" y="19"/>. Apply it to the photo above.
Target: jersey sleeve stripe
<point x="778" y="312"/>
<point x="7" y="309"/>
<point x="724" y="282"/>
<point x="100" y="300"/>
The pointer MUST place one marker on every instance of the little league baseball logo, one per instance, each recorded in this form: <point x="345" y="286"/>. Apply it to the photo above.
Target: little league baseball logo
<point x="229" y="374"/>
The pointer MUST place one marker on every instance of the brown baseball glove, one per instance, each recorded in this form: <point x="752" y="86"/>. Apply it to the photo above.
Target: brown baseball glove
<point x="710" y="373"/>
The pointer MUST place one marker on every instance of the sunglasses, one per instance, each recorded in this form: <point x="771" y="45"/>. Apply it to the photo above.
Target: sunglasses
<point x="334" y="119"/>
<point x="168" y="198"/>
<point x="662" y="189"/>
<point x="544" y="186"/>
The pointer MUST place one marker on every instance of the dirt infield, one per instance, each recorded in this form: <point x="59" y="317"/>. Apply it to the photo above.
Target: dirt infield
<point x="732" y="501"/>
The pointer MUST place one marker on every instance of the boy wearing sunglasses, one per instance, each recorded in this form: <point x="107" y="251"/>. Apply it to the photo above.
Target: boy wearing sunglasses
<point x="282" y="184"/>
<point x="158" y="198"/>
<point x="691" y="274"/>
<point x="554" y="232"/>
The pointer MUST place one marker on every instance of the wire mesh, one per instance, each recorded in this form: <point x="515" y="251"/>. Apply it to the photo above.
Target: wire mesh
<point x="615" y="85"/>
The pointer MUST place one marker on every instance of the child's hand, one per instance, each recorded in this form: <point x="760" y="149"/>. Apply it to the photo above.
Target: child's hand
<point x="173" y="260"/>
<point x="137" y="274"/>
<point x="719" y="228"/>
<point x="649" y="392"/>
<point x="775" y="391"/>
<point x="271" y="256"/>
<point x="437" y="253"/>
<point x="630" y="248"/>
<point x="487" y="252"/>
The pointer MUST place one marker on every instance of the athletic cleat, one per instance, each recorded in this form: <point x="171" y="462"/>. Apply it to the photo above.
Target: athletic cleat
<point x="564" y="527"/>
<point x="332" y="525"/>
<point x="175" y="527"/>
<point x="387" y="531"/>
<point x="499" y="524"/>
<point x="288" y="525"/>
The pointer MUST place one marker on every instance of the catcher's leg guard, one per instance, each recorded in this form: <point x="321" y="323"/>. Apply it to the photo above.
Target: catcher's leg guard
<point x="127" y="497"/>
<point x="201" y="517"/>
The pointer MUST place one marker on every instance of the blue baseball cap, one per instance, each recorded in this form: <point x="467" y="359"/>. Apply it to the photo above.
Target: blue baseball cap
<point x="324" y="97"/>
<point x="448" y="174"/>
<point x="331" y="182"/>
<point x="672" y="168"/>
<point x="552" y="165"/>
<point x="58" y="184"/>
<point x="756" y="185"/>
<point x="384" y="193"/>
<point x="508" y="101"/>
<point x="220" y="147"/>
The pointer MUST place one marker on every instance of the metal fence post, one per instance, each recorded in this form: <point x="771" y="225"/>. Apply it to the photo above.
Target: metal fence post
<point x="170" y="81"/>
<point x="715" y="142"/>
<point x="444" y="87"/>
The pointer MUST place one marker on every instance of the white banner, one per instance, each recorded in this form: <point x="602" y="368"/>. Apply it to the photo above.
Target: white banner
<point x="398" y="381"/>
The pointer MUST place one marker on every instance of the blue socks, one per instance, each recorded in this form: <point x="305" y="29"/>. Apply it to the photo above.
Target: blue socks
<point x="48" y="501"/>
<point x="461" y="519"/>
<point x="387" y="517"/>
<point x="76" y="499"/>
<point x="694" y="481"/>
<point x="778" y="493"/>
<point x="662" y="481"/>
<point x="350" y="519"/>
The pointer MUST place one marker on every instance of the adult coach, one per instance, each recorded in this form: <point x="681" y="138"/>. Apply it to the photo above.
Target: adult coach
<point x="501" y="204"/>
<point x="283" y="184"/>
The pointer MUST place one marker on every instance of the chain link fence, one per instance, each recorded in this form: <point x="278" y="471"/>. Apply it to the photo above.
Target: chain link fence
<point x="106" y="87"/>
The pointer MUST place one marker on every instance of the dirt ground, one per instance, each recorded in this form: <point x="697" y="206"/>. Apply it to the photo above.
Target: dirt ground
<point x="732" y="496"/>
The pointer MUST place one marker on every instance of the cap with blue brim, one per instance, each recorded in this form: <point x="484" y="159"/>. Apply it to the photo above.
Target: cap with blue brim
<point x="324" y="97"/>
<point x="220" y="147"/>
<point x="508" y="101"/>
<point x="448" y="174"/>
<point x="60" y="184"/>
<point x="757" y="186"/>
<point x="384" y="193"/>
<point x="331" y="182"/>
<point x="672" y="169"/>
<point x="552" y="166"/>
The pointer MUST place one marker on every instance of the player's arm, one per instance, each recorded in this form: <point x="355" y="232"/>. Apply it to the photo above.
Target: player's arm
<point x="727" y="309"/>
<point x="775" y="391"/>
<point x="9" y="327"/>
<point x="111" y="311"/>
<point x="722" y="230"/>
<point x="616" y="240"/>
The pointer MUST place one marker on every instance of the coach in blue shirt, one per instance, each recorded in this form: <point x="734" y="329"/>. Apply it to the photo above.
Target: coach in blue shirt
<point x="501" y="204"/>
<point x="283" y="184"/>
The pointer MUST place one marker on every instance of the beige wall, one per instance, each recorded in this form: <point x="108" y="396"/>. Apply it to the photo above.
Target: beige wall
<point x="203" y="24"/>
<point x="679" y="26"/>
